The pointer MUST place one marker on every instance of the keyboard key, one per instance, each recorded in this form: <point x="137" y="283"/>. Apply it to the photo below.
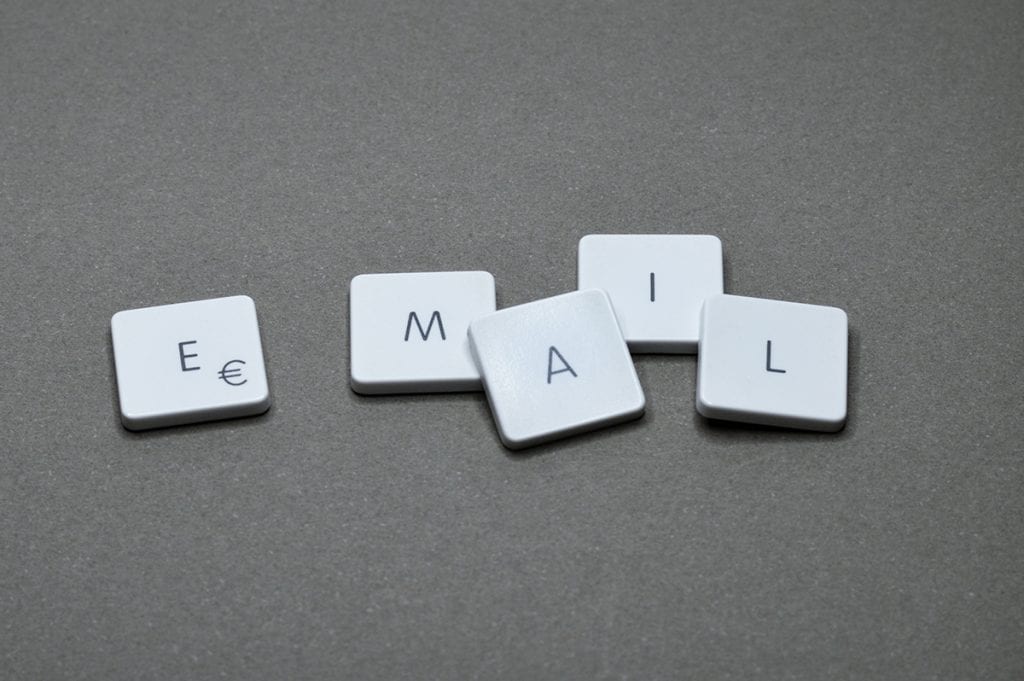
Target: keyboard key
<point x="189" y="362"/>
<point x="773" y="363"/>
<point x="657" y="284"/>
<point x="408" y="331"/>
<point x="555" y="367"/>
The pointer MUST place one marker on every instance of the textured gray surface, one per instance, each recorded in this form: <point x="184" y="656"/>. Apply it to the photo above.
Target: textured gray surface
<point x="864" y="155"/>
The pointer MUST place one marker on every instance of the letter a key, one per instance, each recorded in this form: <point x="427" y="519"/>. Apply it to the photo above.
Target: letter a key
<point x="555" y="367"/>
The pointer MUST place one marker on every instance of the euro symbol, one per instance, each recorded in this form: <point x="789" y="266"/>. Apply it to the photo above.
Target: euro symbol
<point x="228" y="372"/>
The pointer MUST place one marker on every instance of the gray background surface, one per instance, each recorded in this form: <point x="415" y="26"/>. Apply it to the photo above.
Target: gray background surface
<point x="865" y="155"/>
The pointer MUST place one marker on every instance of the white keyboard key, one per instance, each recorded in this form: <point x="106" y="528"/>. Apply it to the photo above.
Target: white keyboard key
<point x="408" y="331"/>
<point x="189" y="362"/>
<point x="773" y="363"/>
<point x="657" y="284"/>
<point x="556" y="367"/>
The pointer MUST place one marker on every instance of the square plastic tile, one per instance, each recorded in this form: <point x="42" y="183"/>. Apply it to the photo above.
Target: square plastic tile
<point x="657" y="284"/>
<point x="556" y="367"/>
<point x="189" y="362"/>
<point x="773" y="362"/>
<point x="408" y="330"/>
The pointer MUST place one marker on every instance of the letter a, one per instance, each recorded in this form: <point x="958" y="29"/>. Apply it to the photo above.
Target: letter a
<point x="425" y="334"/>
<point x="552" y="351"/>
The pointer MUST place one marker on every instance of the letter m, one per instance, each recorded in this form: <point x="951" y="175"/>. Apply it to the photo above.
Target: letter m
<point x="425" y="334"/>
